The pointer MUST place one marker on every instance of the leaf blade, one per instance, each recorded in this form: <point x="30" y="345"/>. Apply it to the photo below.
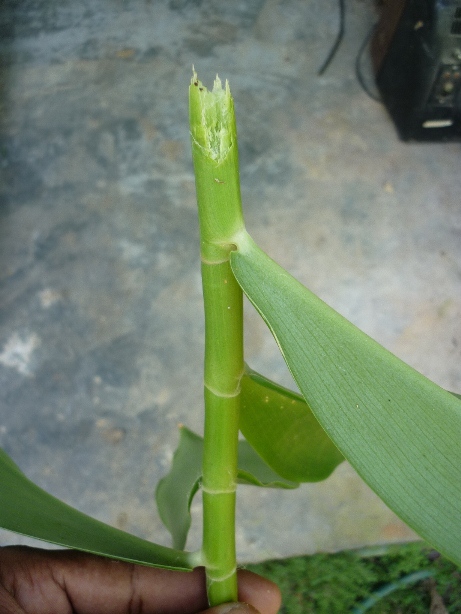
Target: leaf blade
<point x="175" y="491"/>
<point x="254" y="471"/>
<point x="27" y="509"/>
<point x="400" y="431"/>
<point x="277" y="422"/>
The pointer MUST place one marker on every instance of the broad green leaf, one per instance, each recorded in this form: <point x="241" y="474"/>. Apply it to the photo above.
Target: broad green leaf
<point x="280" y="426"/>
<point x="175" y="492"/>
<point x="27" y="509"/>
<point x="400" y="431"/>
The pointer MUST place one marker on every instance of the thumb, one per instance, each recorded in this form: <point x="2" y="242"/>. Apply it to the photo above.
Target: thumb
<point x="232" y="608"/>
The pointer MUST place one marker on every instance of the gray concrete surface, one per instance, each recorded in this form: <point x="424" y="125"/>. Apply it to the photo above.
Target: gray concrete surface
<point x="101" y="314"/>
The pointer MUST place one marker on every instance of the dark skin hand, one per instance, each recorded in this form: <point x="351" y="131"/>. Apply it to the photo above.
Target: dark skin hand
<point x="34" y="581"/>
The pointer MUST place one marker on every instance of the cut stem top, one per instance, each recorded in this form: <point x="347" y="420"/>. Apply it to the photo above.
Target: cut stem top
<point x="215" y="154"/>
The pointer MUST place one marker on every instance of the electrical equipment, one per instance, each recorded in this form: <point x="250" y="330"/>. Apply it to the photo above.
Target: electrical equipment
<point x="416" y="54"/>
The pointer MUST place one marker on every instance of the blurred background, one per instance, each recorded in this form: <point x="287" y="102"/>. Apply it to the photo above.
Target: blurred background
<point x="101" y="325"/>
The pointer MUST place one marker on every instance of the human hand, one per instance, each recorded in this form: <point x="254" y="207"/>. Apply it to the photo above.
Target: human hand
<point x="34" y="581"/>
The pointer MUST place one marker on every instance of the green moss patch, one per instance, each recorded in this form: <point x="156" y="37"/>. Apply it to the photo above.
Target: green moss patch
<point x="398" y="579"/>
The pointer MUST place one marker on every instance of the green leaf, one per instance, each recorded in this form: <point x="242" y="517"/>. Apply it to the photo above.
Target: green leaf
<point x="280" y="426"/>
<point x="400" y="431"/>
<point x="175" y="492"/>
<point x="253" y="470"/>
<point x="27" y="509"/>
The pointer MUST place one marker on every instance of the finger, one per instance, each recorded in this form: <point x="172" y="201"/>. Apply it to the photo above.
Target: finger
<point x="261" y="593"/>
<point x="44" y="581"/>
<point x="8" y="605"/>
<point x="259" y="596"/>
<point x="109" y="587"/>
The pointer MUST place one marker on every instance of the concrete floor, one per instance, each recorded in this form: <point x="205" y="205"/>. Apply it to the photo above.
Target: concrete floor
<point x="101" y="315"/>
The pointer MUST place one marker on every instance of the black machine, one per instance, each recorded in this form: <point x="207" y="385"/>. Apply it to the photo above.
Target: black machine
<point x="416" y="54"/>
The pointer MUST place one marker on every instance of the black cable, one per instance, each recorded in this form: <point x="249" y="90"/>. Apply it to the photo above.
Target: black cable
<point x="358" y="65"/>
<point x="339" y="38"/>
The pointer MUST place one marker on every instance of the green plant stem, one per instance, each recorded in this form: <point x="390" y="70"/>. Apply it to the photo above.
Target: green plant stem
<point x="223" y="370"/>
<point x="214" y="148"/>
